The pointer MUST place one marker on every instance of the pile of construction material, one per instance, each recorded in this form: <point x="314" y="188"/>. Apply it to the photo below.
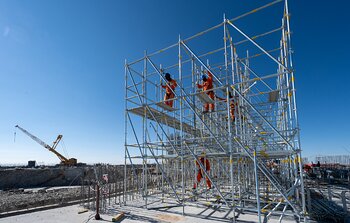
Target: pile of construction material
<point x="322" y="209"/>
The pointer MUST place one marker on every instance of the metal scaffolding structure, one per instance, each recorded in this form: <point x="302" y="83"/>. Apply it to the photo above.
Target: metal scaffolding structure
<point x="255" y="157"/>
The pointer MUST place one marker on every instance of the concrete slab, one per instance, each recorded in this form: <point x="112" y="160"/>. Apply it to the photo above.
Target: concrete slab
<point x="132" y="215"/>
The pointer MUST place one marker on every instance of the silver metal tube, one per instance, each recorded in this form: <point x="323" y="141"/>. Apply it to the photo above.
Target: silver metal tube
<point x="257" y="45"/>
<point x="257" y="186"/>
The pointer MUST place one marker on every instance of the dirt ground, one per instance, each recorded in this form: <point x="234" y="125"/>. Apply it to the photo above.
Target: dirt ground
<point x="29" y="198"/>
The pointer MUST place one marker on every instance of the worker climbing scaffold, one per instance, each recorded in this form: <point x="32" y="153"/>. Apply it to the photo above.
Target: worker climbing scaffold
<point x="200" y="173"/>
<point x="232" y="102"/>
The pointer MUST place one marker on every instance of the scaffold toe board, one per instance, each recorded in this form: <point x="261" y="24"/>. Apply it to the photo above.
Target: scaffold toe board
<point x="162" y="118"/>
<point x="164" y="106"/>
<point x="273" y="96"/>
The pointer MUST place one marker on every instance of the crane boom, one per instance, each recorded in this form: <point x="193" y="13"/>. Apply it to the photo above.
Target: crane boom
<point x="36" y="139"/>
<point x="52" y="149"/>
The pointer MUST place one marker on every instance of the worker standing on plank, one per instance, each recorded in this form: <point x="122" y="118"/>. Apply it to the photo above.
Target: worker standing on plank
<point x="205" y="162"/>
<point x="207" y="85"/>
<point x="169" y="90"/>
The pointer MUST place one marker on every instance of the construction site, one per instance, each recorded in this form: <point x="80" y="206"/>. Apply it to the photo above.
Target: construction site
<point x="210" y="135"/>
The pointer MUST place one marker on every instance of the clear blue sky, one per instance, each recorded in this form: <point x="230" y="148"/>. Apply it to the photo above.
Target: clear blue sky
<point x="61" y="69"/>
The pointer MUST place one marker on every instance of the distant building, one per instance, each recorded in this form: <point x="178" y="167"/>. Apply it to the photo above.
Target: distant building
<point x="31" y="163"/>
<point x="334" y="159"/>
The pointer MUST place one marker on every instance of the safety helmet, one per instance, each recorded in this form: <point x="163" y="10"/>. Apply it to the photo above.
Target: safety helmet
<point x="230" y="94"/>
<point x="167" y="76"/>
<point x="204" y="77"/>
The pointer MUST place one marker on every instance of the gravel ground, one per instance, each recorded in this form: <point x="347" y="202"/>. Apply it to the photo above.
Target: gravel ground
<point x="35" y="197"/>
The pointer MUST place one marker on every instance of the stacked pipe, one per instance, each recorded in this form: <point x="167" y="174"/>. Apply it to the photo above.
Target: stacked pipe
<point x="325" y="210"/>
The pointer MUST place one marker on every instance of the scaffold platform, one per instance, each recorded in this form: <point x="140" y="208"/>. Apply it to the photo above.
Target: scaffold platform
<point x="165" y="119"/>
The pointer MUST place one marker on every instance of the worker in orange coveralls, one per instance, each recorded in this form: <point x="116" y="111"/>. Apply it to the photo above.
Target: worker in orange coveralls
<point x="169" y="90"/>
<point x="200" y="175"/>
<point x="207" y="85"/>
<point x="232" y="105"/>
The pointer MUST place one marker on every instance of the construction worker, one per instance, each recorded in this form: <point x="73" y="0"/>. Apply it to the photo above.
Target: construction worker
<point x="232" y="105"/>
<point x="205" y="163"/>
<point x="272" y="164"/>
<point x="169" y="90"/>
<point x="207" y="85"/>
